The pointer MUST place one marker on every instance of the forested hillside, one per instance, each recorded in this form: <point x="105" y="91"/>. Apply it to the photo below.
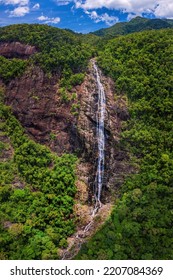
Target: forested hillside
<point x="136" y="24"/>
<point x="58" y="51"/>
<point x="38" y="187"/>
<point x="36" y="194"/>
<point x="140" y="226"/>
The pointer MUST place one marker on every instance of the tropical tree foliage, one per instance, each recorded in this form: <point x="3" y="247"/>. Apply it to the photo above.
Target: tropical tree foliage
<point x="36" y="196"/>
<point x="141" y="225"/>
<point x="37" y="214"/>
<point x="57" y="50"/>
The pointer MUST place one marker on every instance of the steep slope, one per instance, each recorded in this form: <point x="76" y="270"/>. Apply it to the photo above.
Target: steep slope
<point x="135" y="25"/>
<point x="37" y="187"/>
<point x="36" y="194"/>
<point x="55" y="50"/>
<point x="140" y="226"/>
<point x="50" y="87"/>
<point x="47" y="195"/>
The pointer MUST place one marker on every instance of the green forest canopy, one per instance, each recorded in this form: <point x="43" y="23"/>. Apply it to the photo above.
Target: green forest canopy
<point x="136" y="24"/>
<point x="58" y="51"/>
<point x="141" y="224"/>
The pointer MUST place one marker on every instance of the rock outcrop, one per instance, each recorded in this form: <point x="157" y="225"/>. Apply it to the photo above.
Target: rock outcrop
<point x="116" y="167"/>
<point x="36" y="101"/>
<point x="16" y="49"/>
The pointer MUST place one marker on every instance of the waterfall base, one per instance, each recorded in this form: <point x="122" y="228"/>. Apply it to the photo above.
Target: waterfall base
<point x="85" y="232"/>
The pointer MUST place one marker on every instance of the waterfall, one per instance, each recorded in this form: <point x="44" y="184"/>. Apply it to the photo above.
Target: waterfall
<point x="100" y="138"/>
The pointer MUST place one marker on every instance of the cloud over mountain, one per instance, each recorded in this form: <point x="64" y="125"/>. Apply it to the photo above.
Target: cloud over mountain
<point x="46" y="19"/>
<point x="160" y="8"/>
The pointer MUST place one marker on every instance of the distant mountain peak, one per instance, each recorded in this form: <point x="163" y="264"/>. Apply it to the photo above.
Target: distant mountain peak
<point x="138" y="18"/>
<point x="134" y="25"/>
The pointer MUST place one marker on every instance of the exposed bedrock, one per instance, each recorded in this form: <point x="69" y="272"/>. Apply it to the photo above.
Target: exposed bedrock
<point x="36" y="102"/>
<point x="16" y="49"/>
<point x="116" y="160"/>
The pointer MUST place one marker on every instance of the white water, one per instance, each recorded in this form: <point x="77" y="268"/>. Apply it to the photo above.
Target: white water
<point x="100" y="138"/>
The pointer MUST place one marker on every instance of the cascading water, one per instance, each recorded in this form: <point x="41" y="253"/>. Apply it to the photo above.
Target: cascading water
<point x="100" y="138"/>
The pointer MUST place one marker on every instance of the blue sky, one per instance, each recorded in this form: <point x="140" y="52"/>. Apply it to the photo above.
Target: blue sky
<point x="81" y="15"/>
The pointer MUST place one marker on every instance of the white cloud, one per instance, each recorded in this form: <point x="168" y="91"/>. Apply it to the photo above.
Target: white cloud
<point x="19" y="11"/>
<point x="131" y="16"/>
<point x="15" y="2"/>
<point x="49" y="20"/>
<point x="42" y="18"/>
<point x="22" y="7"/>
<point x="127" y="5"/>
<point x="164" y="9"/>
<point x="63" y="2"/>
<point x="36" y="6"/>
<point x="109" y="20"/>
<point x="160" y="8"/>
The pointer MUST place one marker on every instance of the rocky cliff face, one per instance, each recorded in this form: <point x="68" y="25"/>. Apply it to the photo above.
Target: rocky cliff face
<point x="36" y="101"/>
<point x="16" y="49"/>
<point x="116" y="112"/>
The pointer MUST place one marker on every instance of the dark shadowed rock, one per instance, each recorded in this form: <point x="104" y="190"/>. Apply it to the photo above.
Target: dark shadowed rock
<point x="36" y="101"/>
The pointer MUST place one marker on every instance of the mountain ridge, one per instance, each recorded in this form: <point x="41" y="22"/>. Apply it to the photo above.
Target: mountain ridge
<point x="136" y="24"/>
<point x="48" y="143"/>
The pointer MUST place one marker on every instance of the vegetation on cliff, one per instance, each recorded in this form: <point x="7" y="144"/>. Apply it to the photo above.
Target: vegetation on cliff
<point x="140" y="226"/>
<point x="37" y="214"/>
<point x="11" y="69"/>
<point x="36" y="195"/>
<point x="59" y="51"/>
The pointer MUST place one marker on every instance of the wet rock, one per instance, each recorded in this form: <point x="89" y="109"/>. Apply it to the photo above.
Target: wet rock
<point x="116" y="112"/>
